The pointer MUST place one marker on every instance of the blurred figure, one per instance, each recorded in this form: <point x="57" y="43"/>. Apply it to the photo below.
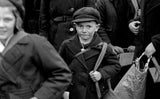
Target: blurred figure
<point x="81" y="53"/>
<point x="135" y="22"/>
<point x="115" y="16"/>
<point x="31" y="20"/>
<point x="30" y="67"/>
<point x="149" y="39"/>
<point x="56" y="16"/>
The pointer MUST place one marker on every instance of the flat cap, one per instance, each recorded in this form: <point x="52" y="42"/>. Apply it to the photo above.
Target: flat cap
<point x="86" y="14"/>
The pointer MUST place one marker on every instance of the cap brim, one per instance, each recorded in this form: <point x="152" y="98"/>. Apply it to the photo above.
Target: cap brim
<point x="83" y="20"/>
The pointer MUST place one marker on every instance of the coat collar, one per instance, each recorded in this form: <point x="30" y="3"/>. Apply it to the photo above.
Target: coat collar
<point x="75" y="45"/>
<point x="16" y="39"/>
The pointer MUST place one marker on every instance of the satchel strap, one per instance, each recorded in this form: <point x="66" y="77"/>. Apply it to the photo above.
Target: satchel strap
<point x="82" y="52"/>
<point x="103" y="51"/>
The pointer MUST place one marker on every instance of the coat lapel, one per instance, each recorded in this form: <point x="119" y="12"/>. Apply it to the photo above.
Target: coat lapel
<point x="75" y="47"/>
<point x="10" y="56"/>
<point x="95" y="50"/>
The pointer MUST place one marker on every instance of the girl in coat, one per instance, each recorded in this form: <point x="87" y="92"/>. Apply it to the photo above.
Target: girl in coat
<point x="89" y="44"/>
<point x="30" y="67"/>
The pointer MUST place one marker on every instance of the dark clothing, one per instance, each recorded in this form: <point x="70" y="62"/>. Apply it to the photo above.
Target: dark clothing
<point x="56" y="17"/>
<point x="149" y="24"/>
<point x="156" y="41"/>
<point x="31" y="20"/>
<point x="115" y="15"/>
<point x="32" y="67"/>
<point x="150" y="32"/>
<point x="82" y="86"/>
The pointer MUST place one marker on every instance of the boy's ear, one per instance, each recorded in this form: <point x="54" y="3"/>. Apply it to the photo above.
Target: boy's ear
<point x="74" y="24"/>
<point x="98" y="26"/>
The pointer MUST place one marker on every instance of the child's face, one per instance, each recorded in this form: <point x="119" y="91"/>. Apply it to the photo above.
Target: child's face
<point x="7" y="22"/>
<point x="86" y="30"/>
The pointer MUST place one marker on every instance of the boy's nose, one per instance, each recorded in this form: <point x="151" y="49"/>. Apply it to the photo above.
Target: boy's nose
<point x="84" y="29"/>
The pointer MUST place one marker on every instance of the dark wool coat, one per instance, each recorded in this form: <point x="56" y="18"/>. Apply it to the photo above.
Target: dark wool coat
<point x="32" y="67"/>
<point x="150" y="32"/>
<point x="56" y="17"/>
<point x="115" y="16"/>
<point x="82" y="86"/>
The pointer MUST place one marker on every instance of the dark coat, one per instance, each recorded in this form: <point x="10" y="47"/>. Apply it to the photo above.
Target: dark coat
<point x="150" y="32"/>
<point x="150" y="23"/>
<point x="32" y="67"/>
<point x="115" y="15"/>
<point x="31" y="20"/>
<point x="82" y="86"/>
<point x="56" y="16"/>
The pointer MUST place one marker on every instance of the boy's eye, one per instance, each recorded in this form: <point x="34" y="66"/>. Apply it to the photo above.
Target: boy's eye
<point x="81" y="26"/>
<point x="88" y="26"/>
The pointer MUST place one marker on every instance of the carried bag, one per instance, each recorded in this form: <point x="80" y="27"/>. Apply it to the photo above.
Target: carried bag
<point x="155" y="71"/>
<point x="132" y="84"/>
<point x="126" y="58"/>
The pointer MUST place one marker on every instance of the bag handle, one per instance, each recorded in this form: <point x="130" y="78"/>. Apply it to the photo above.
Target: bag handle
<point x="103" y="51"/>
<point x="137" y="61"/>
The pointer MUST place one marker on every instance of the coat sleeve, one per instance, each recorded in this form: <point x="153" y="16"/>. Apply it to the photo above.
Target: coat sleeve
<point x="57" y="71"/>
<point x="111" y="64"/>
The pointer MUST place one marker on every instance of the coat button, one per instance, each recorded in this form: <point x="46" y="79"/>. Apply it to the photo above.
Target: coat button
<point x="71" y="29"/>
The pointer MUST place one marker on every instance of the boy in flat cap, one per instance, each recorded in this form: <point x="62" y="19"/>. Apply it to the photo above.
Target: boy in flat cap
<point x="81" y="53"/>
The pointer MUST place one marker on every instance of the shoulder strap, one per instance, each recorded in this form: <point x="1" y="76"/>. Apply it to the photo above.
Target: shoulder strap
<point x="14" y="40"/>
<point x="103" y="51"/>
<point x="82" y="52"/>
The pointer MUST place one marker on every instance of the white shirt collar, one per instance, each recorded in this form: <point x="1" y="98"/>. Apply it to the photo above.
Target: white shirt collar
<point x="2" y="46"/>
